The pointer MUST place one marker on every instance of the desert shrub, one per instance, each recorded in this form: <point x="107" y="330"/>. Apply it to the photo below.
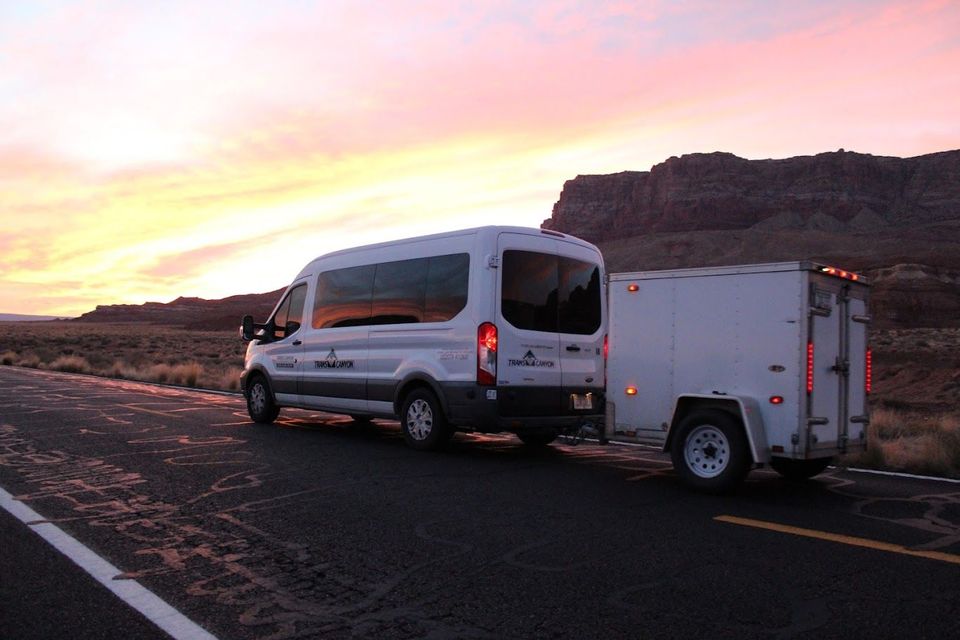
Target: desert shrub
<point x="30" y="360"/>
<point x="71" y="364"/>
<point x="911" y="442"/>
<point x="229" y="380"/>
<point x="186" y="374"/>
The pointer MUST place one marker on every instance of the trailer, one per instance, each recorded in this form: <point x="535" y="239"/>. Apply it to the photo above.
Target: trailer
<point x="733" y="368"/>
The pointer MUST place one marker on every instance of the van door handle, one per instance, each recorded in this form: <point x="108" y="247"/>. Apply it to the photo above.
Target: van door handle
<point x="572" y="347"/>
<point x="297" y="343"/>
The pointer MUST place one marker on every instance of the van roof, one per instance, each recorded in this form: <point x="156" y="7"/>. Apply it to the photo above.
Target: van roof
<point x="452" y="234"/>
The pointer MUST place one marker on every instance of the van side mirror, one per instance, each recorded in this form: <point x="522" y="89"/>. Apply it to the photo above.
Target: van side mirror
<point x="292" y="327"/>
<point x="246" y="328"/>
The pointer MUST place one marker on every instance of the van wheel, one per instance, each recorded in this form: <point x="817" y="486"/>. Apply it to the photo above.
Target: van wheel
<point x="260" y="403"/>
<point x="537" y="438"/>
<point x="710" y="452"/>
<point x="799" y="469"/>
<point x="422" y="421"/>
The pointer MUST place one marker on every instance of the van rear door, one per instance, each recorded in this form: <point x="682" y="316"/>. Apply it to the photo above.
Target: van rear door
<point x="580" y="323"/>
<point x="528" y="346"/>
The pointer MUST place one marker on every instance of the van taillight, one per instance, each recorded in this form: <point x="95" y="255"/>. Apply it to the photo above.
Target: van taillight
<point x="487" y="354"/>
<point x="868" y="380"/>
<point x="809" y="367"/>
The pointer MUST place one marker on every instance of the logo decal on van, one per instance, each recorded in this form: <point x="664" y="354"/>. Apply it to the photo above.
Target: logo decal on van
<point x="530" y="360"/>
<point x="331" y="362"/>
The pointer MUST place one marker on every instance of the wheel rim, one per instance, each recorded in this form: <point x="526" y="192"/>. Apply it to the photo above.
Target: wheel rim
<point x="707" y="451"/>
<point x="419" y="419"/>
<point x="258" y="398"/>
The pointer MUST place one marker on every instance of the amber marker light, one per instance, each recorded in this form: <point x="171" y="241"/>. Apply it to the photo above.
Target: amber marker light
<point x="631" y="391"/>
<point x="633" y="288"/>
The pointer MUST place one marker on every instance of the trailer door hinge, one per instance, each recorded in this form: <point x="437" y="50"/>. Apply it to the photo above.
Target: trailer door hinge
<point x="493" y="262"/>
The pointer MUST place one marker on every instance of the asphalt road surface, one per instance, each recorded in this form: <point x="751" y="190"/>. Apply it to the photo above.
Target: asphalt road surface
<point x="320" y="527"/>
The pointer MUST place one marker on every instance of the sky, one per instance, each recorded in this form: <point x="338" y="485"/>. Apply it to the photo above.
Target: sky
<point x="151" y="150"/>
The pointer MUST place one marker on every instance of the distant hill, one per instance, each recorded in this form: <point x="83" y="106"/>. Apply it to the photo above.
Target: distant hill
<point x="20" y="317"/>
<point x="895" y="219"/>
<point x="191" y="313"/>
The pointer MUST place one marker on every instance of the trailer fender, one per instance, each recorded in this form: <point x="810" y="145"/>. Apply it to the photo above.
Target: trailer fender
<point x="743" y="408"/>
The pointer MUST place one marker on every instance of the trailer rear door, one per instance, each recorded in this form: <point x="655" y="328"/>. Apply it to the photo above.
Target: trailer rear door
<point x="836" y="349"/>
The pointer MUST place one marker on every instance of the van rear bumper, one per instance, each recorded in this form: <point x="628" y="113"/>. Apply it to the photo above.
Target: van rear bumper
<point x="493" y="409"/>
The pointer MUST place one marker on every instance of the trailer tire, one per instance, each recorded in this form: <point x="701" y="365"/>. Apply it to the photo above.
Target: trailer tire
<point x="799" y="469"/>
<point x="422" y="421"/>
<point x="260" y="404"/>
<point x="710" y="451"/>
<point x="539" y="438"/>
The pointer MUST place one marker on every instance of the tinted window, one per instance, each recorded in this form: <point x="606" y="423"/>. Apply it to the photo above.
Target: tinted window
<point x="343" y="297"/>
<point x="405" y="291"/>
<point x="544" y="292"/>
<point x="290" y="310"/>
<point x="399" y="289"/>
<point x="579" y="308"/>
<point x="529" y="290"/>
<point x="447" y="282"/>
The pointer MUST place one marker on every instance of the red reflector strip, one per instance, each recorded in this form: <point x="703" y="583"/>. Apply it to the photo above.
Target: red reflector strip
<point x="868" y="381"/>
<point x="809" y="367"/>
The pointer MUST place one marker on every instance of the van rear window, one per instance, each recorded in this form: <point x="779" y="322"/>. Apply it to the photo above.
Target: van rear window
<point x="550" y="293"/>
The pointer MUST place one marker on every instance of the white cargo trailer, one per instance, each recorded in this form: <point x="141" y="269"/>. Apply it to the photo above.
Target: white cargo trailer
<point x="731" y="368"/>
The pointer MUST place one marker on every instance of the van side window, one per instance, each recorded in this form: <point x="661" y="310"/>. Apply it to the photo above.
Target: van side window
<point x="546" y="292"/>
<point x="289" y="311"/>
<point x="343" y="297"/>
<point x="530" y="289"/>
<point x="447" y="283"/>
<point x="401" y="292"/>
<point x="399" y="289"/>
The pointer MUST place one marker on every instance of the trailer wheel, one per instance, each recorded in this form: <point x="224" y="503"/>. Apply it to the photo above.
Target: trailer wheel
<point x="260" y="404"/>
<point x="422" y="421"/>
<point x="539" y="438"/>
<point x="799" y="469"/>
<point x="710" y="451"/>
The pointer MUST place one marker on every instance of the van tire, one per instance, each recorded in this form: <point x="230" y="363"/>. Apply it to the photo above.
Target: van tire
<point x="710" y="452"/>
<point x="260" y="404"/>
<point x="799" y="469"/>
<point x="537" y="438"/>
<point x="422" y="421"/>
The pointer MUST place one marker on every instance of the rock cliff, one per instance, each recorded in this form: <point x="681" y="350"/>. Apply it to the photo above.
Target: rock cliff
<point x="896" y="219"/>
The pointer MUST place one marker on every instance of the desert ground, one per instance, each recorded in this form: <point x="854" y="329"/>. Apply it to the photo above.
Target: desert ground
<point x="915" y="405"/>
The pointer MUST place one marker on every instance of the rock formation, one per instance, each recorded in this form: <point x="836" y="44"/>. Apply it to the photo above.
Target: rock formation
<point x="896" y="219"/>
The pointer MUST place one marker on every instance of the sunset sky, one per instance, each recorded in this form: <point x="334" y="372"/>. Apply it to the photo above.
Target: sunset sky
<point x="150" y="150"/>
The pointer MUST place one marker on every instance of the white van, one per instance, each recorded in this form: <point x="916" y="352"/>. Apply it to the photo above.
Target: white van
<point x="489" y="329"/>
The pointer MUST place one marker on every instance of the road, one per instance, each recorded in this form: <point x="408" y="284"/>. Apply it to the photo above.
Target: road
<point x="321" y="527"/>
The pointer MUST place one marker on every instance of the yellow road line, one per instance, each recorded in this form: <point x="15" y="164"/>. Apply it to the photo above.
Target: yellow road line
<point x="842" y="539"/>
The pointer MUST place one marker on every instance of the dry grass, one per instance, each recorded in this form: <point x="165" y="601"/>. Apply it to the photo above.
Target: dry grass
<point x="204" y="359"/>
<point x="927" y="444"/>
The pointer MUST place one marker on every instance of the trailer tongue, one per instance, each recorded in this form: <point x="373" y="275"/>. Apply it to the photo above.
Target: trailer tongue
<point x="730" y="368"/>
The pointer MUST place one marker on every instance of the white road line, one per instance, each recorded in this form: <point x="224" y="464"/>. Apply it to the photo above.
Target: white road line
<point x="132" y="592"/>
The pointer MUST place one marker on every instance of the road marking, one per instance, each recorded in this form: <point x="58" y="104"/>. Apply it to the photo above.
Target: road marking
<point x="132" y="592"/>
<point x="842" y="539"/>
<point x="165" y="414"/>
